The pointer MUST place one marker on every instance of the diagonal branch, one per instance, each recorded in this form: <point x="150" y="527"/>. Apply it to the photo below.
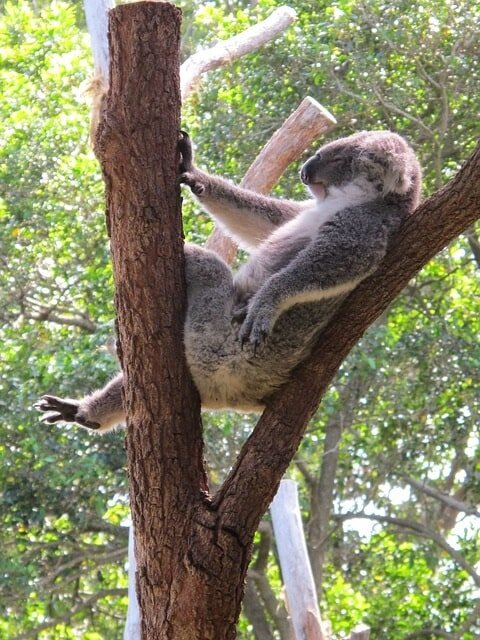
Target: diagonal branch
<point x="252" y="482"/>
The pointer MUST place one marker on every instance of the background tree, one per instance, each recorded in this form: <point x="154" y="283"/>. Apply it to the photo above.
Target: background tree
<point x="405" y="403"/>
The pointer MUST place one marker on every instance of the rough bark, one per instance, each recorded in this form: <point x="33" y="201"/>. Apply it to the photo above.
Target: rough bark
<point x="137" y="145"/>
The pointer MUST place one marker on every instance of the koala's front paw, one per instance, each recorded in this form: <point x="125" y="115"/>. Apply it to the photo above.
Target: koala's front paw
<point x="188" y="174"/>
<point x="256" y="328"/>
<point x="191" y="179"/>
<point x="63" y="410"/>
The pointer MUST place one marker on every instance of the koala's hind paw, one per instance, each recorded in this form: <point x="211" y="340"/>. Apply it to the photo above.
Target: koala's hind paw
<point x="63" y="410"/>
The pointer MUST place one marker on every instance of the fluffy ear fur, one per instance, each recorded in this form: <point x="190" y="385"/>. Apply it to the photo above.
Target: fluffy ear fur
<point x="388" y="159"/>
<point x="396" y="179"/>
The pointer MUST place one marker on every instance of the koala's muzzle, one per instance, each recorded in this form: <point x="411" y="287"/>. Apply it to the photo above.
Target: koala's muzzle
<point x="307" y="171"/>
<point x="307" y="174"/>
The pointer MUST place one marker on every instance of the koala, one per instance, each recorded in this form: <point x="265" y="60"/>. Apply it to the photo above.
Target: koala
<point x="245" y="332"/>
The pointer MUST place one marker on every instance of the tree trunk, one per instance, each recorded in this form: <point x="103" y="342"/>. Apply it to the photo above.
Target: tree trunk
<point x="185" y="567"/>
<point x="193" y="551"/>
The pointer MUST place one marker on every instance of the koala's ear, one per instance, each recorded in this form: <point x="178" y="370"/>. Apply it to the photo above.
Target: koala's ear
<point x="397" y="178"/>
<point x="390" y="168"/>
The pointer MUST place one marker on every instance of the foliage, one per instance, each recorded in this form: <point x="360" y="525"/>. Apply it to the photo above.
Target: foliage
<point x="407" y="399"/>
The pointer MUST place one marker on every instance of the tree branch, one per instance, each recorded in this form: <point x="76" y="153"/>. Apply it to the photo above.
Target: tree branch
<point x="226" y="51"/>
<point x="420" y="530"/>
<point x="47" y="315"/>
<point x="251" y="484"/>
<point x="458" y="505"/>
<point x="83" y="605"/>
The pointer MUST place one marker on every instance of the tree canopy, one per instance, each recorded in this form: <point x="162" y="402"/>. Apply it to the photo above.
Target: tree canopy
<point x="393" y="536"/>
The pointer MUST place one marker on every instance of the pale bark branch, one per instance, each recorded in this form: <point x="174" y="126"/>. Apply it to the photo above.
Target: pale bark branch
<point x="360" y="632"/>
<point x="294" y="561"/>
<point x="96" y="14"/>
<point x="226" y="51"/>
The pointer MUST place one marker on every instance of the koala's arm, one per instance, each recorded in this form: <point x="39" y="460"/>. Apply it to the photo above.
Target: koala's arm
<point x="344" y="253"/>
<point x="247" y="216"/>
<point x="100" y="411"/>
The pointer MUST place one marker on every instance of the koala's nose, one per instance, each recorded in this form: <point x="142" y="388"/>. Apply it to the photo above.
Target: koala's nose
<point x="306" y="171"/>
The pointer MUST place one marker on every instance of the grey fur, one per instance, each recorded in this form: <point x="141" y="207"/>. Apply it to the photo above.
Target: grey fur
<point x="245" y="332"/>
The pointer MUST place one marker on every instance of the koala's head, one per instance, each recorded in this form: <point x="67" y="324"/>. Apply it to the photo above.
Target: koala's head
<point x="377" y="161"/>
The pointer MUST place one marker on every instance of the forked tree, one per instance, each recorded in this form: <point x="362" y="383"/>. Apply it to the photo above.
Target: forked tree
<point x="193" y="548"/>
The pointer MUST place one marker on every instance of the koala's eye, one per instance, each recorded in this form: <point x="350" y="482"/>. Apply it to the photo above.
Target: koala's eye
<point x="335" y="160"/>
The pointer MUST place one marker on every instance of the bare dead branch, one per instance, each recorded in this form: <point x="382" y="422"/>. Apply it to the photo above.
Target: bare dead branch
<point x="226" y="51"/>
<point x="361" y="632"/>
<point x="96" y="15"/>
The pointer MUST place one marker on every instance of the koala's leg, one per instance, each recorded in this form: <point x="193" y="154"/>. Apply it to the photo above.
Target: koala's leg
<point x="208" y="322"/>
<point x="209" y="291"/>
<point x="101" y="411"/>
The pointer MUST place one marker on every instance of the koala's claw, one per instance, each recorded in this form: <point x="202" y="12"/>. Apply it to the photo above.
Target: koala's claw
<point x="188" y="175"/>
<point x="185" y="148"/>
<point x="254" y="332"/>
<point x="62" y="410"/>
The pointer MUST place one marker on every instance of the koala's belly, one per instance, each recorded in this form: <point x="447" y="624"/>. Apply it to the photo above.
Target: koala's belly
<point x="234" y="379"/>
<point x="229" y="377"/>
